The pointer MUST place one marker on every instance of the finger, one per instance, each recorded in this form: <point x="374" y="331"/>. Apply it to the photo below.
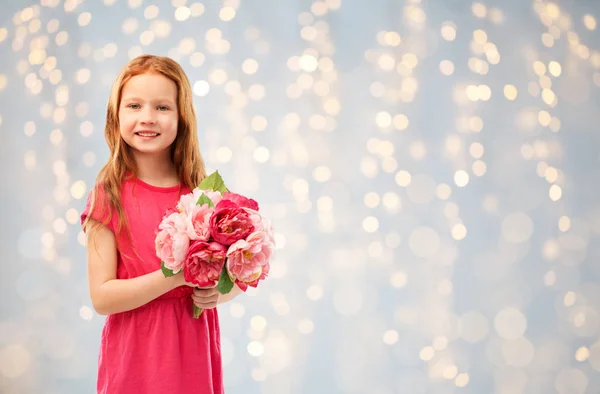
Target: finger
<point x="205" y="292"/>
<point x="206" y="305"/>
<point x="213" y="298"/>
<point x="207" y="287"/>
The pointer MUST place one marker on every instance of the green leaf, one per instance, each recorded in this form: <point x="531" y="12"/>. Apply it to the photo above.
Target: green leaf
<point x="166" y="272"/>
<point x="225" y="284"/>
<point x="213" y="182"/>
<point x="204" y="199"/>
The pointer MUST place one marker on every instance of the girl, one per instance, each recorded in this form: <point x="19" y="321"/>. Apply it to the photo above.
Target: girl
<point x="150" y="342"/>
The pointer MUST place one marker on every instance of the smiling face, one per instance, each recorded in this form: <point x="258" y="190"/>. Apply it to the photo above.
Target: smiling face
<point x="148" y="114"/>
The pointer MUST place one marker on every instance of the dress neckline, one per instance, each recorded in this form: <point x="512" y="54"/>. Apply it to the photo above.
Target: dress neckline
<point x="157" y="188"/>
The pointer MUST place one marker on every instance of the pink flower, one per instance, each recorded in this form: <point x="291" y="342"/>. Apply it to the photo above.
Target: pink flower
<point x="248" y="260"/>
<point x="229" y="223"/>
<point x="187" y="202"/>
<point x="241" y="201"/>
<point x="172" y="241"/>
<point x="198" y="222"/>
<point x="261" y="223"/>
<point x="204" y="263"/>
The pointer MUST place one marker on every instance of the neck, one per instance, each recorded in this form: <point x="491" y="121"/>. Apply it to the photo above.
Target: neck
<point x="156" y="171"/>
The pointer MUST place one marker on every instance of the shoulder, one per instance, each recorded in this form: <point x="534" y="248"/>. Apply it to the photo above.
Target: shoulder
<point x="99" y="205"/>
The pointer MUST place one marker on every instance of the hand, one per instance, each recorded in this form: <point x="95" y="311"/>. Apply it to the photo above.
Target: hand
<point x="182" y="282"/>
<point x="206" y="298"/>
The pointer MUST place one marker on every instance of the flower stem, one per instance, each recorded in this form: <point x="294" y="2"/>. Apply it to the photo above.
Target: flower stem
<point x="197" y="312"/>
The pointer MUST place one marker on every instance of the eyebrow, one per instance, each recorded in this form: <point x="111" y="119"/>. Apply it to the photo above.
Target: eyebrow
<point x="160" y="99"/>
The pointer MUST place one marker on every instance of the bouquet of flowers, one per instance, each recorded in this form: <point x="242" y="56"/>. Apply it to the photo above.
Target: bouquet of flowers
<point x="217" y="238"/>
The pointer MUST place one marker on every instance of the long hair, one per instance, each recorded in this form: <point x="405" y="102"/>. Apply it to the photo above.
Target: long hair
<point x="185" y="150"/>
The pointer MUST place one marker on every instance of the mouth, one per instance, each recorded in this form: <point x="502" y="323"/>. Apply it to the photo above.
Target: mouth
<point x="147" y="134"/>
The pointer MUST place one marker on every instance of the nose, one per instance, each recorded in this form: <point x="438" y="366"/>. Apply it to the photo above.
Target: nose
<point x="147" y="116"/>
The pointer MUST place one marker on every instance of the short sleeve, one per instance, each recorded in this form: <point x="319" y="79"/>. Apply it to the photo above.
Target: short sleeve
<point x="98" y="208"/>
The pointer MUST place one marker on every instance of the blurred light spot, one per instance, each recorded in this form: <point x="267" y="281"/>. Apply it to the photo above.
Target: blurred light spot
<point x="261" y="154"/>
<point x="459" y="231"/>
<point x="86" y="313"/>
<point x="570" y="298"/>
<point x="84" y="19"/>
<point x="250" y="66"/>
<point x="14" y="361"/>
<point x="306" y="326"/>
<point x="589" y="22"/>
<point x="201" y="88"/>
<point x="391" y="202"/>
<point x="450" y="372"/>
<point x="182" y="13"/>
<point x="555" y="192"/>
<point x="462" y="379"/>
<point x="89" y="159"/>
<point x="479" y="10"/>
<point x="510" y="92"/>
<point x="448" y="31"/>
<point x="461" y="178"/>
<point x="314" y="292"/>
<point x="72" y="216"/>
<point x="447" y="67"/>
<point x="227" y="13"/>
<point x="370" y="224"/>
<point x="403" y="178"/>
<point x="258" y="323"/>
<point x="371" y="199"/>
<point x="256" y="349"/>
<point x="30" y="160"/>
<point x="322" y="174"/>
<point x="427" y="353"/>
<point x="571" y="381"/>
<point x="555" y="68"/>
<point x="564" y="223"/>
<point x="390" y="337"/>
<point x="398" y="279"/>
<point x="383" y="119"/>
<point x="424" y="242"/>
<point x="582" y="354"/>
<point x="400" y="122"/>
<point x="518" y="352"/>
<point x="443" y="191"/>
<point x="517" y="227"/>
<point x="237" y="310"/>
<point x="308" y="63"/>
<point x="510" y="323"/>
<point x="224" y="154"/>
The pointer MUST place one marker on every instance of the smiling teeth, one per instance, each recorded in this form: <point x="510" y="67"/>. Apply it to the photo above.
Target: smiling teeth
<point x="148" y="134"/>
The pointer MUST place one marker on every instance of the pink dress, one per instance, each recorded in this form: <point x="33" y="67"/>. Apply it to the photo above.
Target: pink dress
<point x="159" y="347"/>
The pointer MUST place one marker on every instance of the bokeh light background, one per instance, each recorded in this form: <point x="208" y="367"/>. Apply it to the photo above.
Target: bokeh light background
<point x="431" y="168"/>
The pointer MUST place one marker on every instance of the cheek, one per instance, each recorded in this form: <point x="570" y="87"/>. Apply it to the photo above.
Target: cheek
<point x="171" y="123"/>
<point x="126" y="122"/>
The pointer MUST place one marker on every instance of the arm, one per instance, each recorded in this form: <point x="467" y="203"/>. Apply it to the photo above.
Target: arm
<point x="110" y="295"/>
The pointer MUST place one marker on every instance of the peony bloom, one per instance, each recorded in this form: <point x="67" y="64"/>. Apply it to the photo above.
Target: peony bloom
<point x="248" y="260"/>
<point x="198" y="222"/>
<point x="204" y="263"/>
<point x="229" y="223"/>
<point x="172" y="241"/>
<point x="241" y="201"/>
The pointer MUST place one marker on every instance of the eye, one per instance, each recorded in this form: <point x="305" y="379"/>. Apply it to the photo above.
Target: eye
<point x="133" y="106"/>
<point x="163" y="108"/>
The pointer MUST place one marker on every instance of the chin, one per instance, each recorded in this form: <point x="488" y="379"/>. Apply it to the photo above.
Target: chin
<point x="151" y="151"/>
